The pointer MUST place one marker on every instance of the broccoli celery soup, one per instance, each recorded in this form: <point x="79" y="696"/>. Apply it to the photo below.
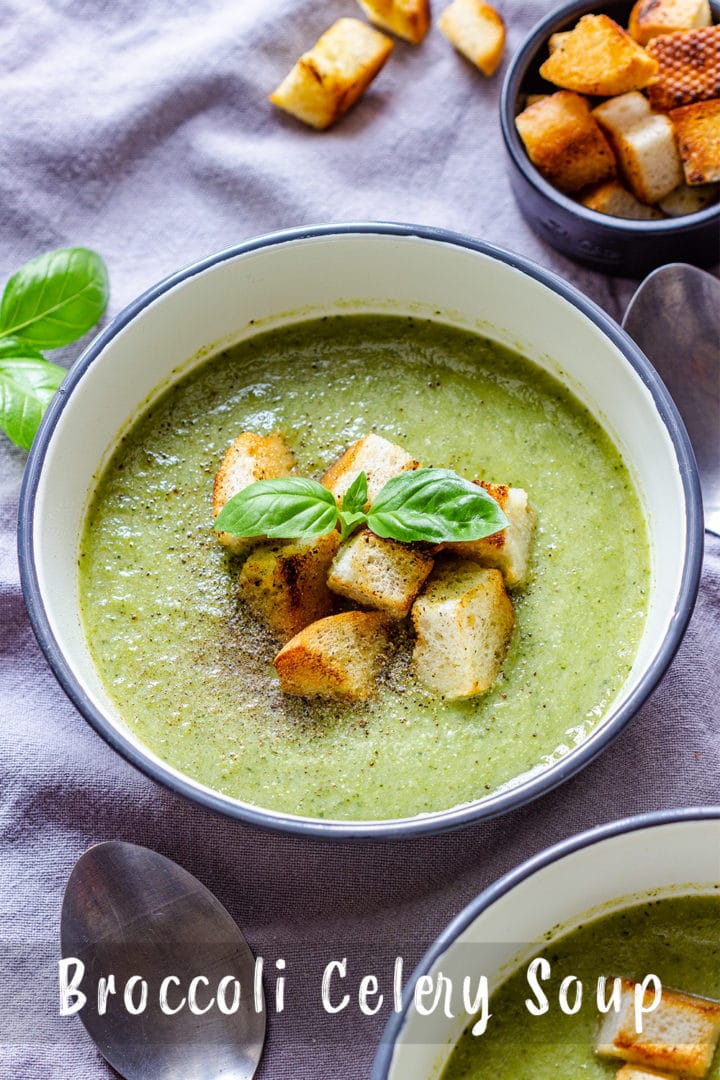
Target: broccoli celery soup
<point x="677" y="939"/>
<point x="191" y="672"/>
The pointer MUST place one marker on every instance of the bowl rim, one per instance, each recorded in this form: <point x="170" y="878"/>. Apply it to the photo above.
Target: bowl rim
<point x="511" y="88"/>
<point x="392" y="828"/>
<point x="503" y="885"/>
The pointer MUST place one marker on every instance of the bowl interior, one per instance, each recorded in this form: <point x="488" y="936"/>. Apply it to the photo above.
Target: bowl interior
<point x="671" y="859"/>
<point x="298" y="278"/>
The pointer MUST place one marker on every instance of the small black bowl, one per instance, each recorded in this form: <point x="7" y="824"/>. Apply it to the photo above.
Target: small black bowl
<point x="612" y="244"/>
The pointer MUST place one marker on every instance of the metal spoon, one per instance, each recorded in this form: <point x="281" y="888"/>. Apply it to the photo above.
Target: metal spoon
<point x="675" y="318"/>
<point x="129" y="912"/>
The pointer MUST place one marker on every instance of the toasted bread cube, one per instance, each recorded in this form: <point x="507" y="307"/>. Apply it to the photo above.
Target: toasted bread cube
<point x="284" y="583"/>
<point x="599" y="58"/>
<point x="679" y="1037"/>
<point x="477" y="31"/>
<point x="463" y="622"/>
<point x="644" y="144"/>
<point x="565" y="142"/>
<point x="614" y="199"/>
<point x="378" y="458"/>
<point x="555" y="41"/>
<point x="409" y="19"/>
<point x="508" y="550"/>
<point x="650" y="18"/>
<point x="688" y="200"/>
<point x="381" y="574"/>
<point x="248" y="459"/>
<point x="688" y="68"/>
<point x="532" y="99"/>
<point x="633" y="1072"/>
<point x="338" y="657"/>
<point x="330" y="78"/>
<point x="698" y="132"/>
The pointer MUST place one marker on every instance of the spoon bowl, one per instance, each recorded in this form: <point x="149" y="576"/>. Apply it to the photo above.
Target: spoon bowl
<point x="152" y="931"/>
<point x="675" y="318"/>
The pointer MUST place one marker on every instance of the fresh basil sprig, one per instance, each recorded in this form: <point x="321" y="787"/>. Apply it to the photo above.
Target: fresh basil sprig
<point x="434" y="505"/>
<point x="51" y="301"/>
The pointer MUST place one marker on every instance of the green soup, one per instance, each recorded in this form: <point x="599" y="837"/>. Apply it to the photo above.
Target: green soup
<point x="193" y="675"/>
<point x="676" y="939"/>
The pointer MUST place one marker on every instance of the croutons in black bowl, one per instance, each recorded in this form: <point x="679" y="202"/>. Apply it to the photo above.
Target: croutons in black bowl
<point x="617" y="245"/>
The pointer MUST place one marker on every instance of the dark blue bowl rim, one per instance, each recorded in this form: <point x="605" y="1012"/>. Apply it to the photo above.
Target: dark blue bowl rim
<point x="511" y="87"/>
<point x="399" y="828"/>
<point x="503" y="885"/>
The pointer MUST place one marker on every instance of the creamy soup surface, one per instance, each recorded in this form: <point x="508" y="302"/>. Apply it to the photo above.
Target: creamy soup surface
<point x="192" y="673"/>
<point x="677" y="939"/>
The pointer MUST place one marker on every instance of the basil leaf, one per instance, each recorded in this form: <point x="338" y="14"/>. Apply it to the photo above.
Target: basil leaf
<point x="56" y="298"/>
<point x="350" y="522"/>
<point x="356" y="495"/>
<point x="434" y="505"/>
<point x="27" y="384"/>
<point x="285" y="509"/>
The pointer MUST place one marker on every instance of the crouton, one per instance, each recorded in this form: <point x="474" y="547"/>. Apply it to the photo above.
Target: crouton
<point x="330" y="78"/>
<point x="284" y="583"/>
<point x="679" y="1037"/>
<point x="248" y="459"/>
<point x="688" y="200"/>
<point x="688" y="68"/>
<point x="612" y="198"/>
<point x="555" y="41"/>
<point x="532" y="99"/>
<point x="463" y="622"/>
<point x="338" y="657"/>
<point x="698" y="132"/>
<point x="409" y="19"/>
<point x="632" y="1072"/>
<point x="599" y="58"/>
<point x="509" y="549"/>
<point x="644" y="144"/>
<point x="565" y="142"/>
<point x="650" y="18"/>
<point x="381" y="574"/>
<point x="477" y="31"/>
<point x="378" y="458"/>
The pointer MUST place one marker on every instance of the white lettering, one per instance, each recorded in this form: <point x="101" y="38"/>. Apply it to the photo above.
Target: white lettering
<point x="225" y="1009"/>
<point x="164" y="991"/>
<point x="339" y="966"/>
<point x="130" y="1005"/>
<point x="565" y="987"/>
<point x="640" y="1008"/>
<point x="541" y="965"/>
<point x="72" y="998"/>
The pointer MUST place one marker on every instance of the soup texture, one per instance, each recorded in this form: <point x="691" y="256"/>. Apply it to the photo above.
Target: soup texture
<point x="677" y="939"/>
<point x="192" y="673"/>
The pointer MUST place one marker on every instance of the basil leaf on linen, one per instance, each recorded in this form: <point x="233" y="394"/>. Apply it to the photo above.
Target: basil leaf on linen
<point x="434" y="505"/>
<point x="27" y="385"/>
<point x="55" y="298"/>
<point x="289" y="508"/>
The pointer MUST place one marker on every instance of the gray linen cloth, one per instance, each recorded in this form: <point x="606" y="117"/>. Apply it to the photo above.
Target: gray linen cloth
<point x="143" y="130"/>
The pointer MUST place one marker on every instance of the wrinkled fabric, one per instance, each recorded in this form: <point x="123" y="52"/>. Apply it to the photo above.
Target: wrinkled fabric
<point x="143" y="130"/>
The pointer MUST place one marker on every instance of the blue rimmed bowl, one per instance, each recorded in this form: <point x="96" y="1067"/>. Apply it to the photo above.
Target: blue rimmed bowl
<point x="389" y="268"/>
<point x="614" y="245"/>
<point x="668" y="853"/>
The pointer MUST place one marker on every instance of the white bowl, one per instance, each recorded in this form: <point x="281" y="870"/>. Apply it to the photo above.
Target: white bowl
<point x="670" y="853"/>
<point x="359" y="268"/>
